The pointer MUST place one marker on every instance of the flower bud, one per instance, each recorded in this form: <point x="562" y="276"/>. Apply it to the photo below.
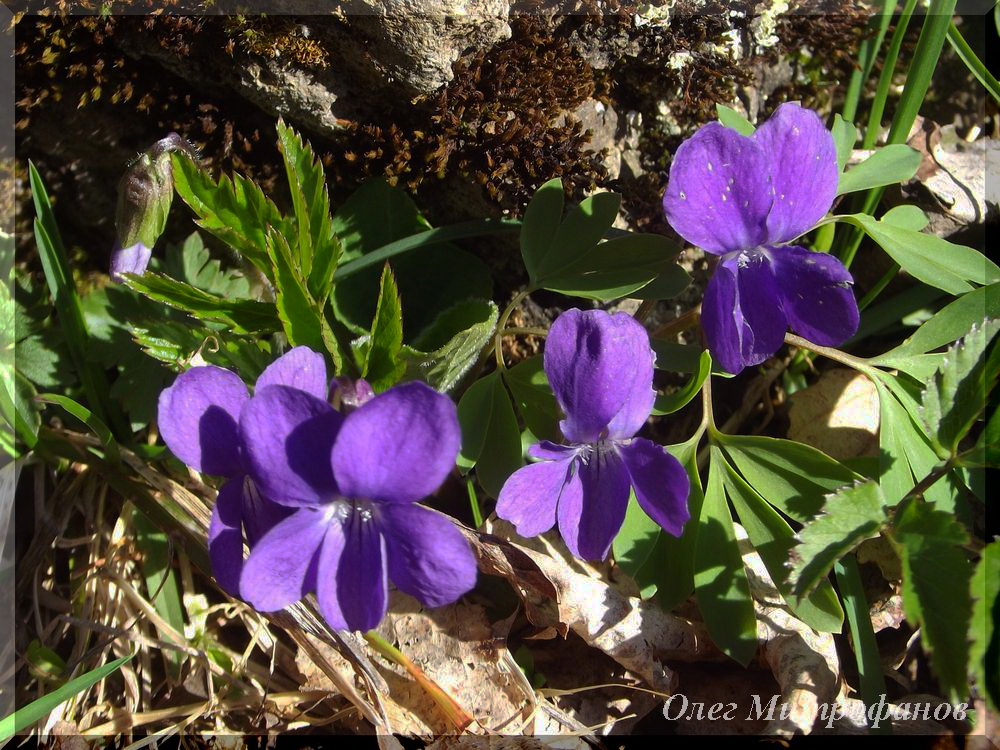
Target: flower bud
<point x="144" y="196"/>
<point x="346" y="395"/>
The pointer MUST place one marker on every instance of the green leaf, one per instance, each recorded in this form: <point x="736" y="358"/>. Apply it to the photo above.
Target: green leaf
<point x="936" y="588"/>
<point x="886" y="166"/>
<point x="301" y="317"/>
<point x="23" y="718"/>
<point x="670" y="566"/>
<point x="584" y="226"/>
<point x="849" y="516"/>
<point x="669" y="403"/>
<point x="791" y="476"/>
<point x="431" y="277"/>
<point x="618" y="267"/>
<point x="44" y="359"/>
<point x="932" y="260"/>
<point x="676" y="357"/>
<point x="234" y="209"/>
<point x="536" y="403"/>
<point x="845" y="135"/>
<point x="734" y="120"/>
<point x="720" y="579"/>
<point x="956" y="396"/>
<point x="907" y="217"/>
<point x="669" y="283"/>
<point x="243" y="315"/>
<point x="634" y="544"/>
<point x="951" y="322"/>
<point x="773" y="539"/>
<point x="318" y="250"/>
<point x="541" y="222"/>
<point x="447" y="349"/>
<point x="382" y="366"/>
<point x="18" y="406"/>
<point x="193" y="264"/>
<point x="175" y="343"/>
<point x="491" y="440"/>
<point x="984" y="653"/>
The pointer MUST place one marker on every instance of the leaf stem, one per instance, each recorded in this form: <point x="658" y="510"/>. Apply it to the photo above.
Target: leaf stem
<point x="498" y="337"/>
<point x="835" y="354"/>
<point x="515" y="331"/>
<point x="870" y="675"/>
<point x="477" y="513"/>
<point x="454" y="712"/>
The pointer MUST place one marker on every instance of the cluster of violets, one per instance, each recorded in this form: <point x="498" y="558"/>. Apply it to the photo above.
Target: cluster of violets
<point x="323" y="477"/>
<point x="326" y="498"/>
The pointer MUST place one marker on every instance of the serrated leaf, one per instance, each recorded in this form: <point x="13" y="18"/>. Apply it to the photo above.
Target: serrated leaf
<point x="932" y="260"/>
<point x="491" y="440"/>
<point x="174" y="344"/>
<point x="844" y="136"/>
<point x="191" y="263"/>
<point x="849" y="516"/>
<point x="936" y="588"/>
<point x="301" y="318"/>
<point x="382" y="365"/>
<point x="956" y="395"/>
<point x="455" y="340"/>
<point x="540" y="224"/>
<point x="984" y="652"/>
<point x="234" y="209"/>
<point x="318" y="249"/>
<point x="245" y="316"/>
<point x="886" y="166"/>
<point x="734" y="120"/>
<point x="720" y="580"/>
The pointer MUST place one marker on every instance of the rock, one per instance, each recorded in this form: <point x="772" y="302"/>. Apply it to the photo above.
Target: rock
<point x="414" y="43"/>
<point x="839" y="415"/>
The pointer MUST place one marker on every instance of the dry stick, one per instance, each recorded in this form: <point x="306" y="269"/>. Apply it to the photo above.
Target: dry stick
<point x="681" y="323"/>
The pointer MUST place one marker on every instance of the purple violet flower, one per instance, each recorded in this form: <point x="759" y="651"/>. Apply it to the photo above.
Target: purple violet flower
<point x="199" y="421"/>
<point x="131" y="259"/>
<point x="600" y="367"/>
<point x="354" y="482"/>
<point x="742" y="198"/>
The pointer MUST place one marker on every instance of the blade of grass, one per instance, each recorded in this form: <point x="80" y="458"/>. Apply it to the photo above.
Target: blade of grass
<point x="90" y="419"/>
<point x="918" y="78"/>
<point x="59" y="278"/>
<point x="972" y="61"/>
<point x="867" y="54"/>
<point x="870" y="675"/>
<point x="885" y="78"/>
<point x="25" y="717"/>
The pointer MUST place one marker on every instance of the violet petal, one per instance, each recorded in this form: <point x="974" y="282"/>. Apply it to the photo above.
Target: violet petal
<point x="816" y="294"/>
<point x="660" y="483"/>
<point x="592" y="505"/>
<point x="530" y="496"/>
<point x="428" y="556"/>
<point x="300" y="368"/>
<point x="719" y="195"/>
<point x="399" y="446"/>
<point x="275" y="574"/>
<point x="225" y="536"/>
<point x="803" y="167"/>
<point x="288" y="435"/>
<point x="198" y="417"/>
<point x="600" y="369"/>
<point x="352" y="586"/>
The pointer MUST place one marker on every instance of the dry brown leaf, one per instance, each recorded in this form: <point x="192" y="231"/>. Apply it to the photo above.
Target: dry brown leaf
<point x="839" y="415"/>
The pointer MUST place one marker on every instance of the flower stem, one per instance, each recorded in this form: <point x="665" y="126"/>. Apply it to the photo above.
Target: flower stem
<point x="514" y="331"/>
<point x="498" y="337"/>
<point x="454" y="712"/>
<point x="681" y="323"/>
<point x="830" y="353"/>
